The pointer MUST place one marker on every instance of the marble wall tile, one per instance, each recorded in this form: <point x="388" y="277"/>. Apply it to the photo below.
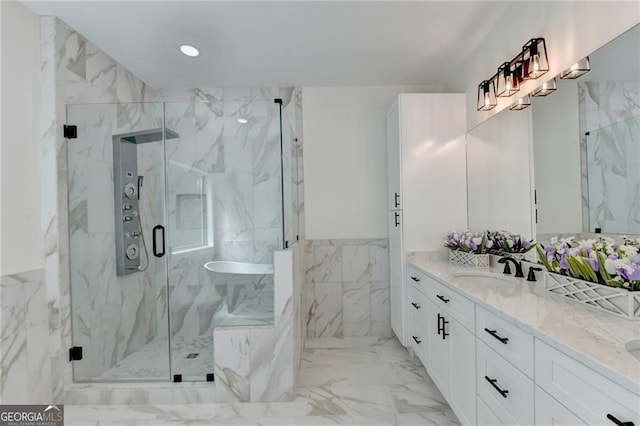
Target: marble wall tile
<point x="356" y="314"/>
<point x="232" y="363"/>
<point x="329" y="310"/>
<point x="327" y="264"/>
<point x="347" y="283"/>
<point x="380" y="310"/>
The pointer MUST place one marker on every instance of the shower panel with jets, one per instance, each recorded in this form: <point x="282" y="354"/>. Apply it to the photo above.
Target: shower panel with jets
<point x="156" y="192"/>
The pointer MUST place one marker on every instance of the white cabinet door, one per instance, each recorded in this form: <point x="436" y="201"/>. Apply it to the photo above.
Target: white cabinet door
<point x="438" y="349"/>
<point x="551" y="412"/>
<point x="397" y="292"/>
<point x="463" y="372"/>
<point x="393" y="158"/>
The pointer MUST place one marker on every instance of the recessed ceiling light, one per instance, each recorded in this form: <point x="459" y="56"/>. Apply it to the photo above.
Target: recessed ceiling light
<point x="242" y="120"/>
<point x="189" y="50"/>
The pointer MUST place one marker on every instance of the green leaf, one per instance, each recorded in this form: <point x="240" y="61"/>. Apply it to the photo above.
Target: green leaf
<point x="605" y="275"/>
<point x="543" y="259"/>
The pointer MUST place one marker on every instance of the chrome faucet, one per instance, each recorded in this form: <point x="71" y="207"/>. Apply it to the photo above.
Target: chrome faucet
<point x="507" y="269"/>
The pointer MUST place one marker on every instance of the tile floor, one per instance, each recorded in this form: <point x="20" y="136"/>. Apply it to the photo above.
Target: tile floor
<point x="358" y="381"/>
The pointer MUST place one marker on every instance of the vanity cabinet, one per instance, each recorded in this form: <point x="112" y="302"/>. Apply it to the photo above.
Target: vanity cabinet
<point x="426" y="166"/>
<point x="592" y="397"/>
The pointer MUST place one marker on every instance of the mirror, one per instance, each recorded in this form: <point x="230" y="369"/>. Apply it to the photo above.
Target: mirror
<point x="586" y="146"/>
<point x="570" y="163"/>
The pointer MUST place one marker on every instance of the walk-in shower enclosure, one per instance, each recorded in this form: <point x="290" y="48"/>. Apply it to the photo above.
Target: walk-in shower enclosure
<point x="196" y="186"/>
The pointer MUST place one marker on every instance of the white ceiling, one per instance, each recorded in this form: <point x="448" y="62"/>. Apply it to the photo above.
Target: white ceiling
<point x="267" y="43"/>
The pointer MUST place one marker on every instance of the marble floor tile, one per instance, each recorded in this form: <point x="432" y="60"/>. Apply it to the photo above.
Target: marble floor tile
<point x="351" y="400"/>
<point x="355" y="381"/>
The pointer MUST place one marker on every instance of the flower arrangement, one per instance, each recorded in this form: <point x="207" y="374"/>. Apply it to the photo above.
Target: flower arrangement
<point x="506" y="242"/>
<point x="469" y="242"/>
<point x="600" y="260"/>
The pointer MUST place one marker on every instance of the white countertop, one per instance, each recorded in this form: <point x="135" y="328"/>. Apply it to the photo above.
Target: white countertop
<point x="595" y="338"/>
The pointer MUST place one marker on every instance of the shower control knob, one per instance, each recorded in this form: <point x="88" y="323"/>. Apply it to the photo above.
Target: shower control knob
<point x="132" y="252"/>
<point x="130" y="190"/>
<point x="127" y="235"/>
<point x="135" y="213"/>
<point x="126" y="206"/>
<point x="135" y="234"/>
<point x="127" y="218"/>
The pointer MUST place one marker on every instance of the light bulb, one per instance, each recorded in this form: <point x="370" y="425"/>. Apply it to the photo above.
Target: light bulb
<point x="487" y="99"/>
<point x="508" y="83"/>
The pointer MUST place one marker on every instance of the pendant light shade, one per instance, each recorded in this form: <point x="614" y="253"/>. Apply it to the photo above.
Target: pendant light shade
<point x="546" y="88"/>
<point x="534" y="55"/>
<point x="508" y="81"/>
<point x="487" y="95"/>
<point x="521" y="103"/>
<point x="581" y="67"/>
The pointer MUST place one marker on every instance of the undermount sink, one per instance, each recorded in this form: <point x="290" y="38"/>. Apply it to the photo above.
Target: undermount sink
<point x="633" y="347"/>
<point x="484" y="278"/>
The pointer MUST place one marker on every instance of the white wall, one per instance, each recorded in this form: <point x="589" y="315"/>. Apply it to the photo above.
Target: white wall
<point x="345" y="159"/>
<point x="556" y="153"/>
<point x="21" y="206"/>
<point x="572" y="30"/>
<point x="499" y="174"/>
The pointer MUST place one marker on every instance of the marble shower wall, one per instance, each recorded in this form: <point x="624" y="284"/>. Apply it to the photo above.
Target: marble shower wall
<point x="610" y="112"/>
<point x="261" y="363"/>
<point x="347" y="288"/>
<point x="72" y="70"/>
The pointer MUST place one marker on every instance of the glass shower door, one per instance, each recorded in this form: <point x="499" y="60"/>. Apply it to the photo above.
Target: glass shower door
<point x="224" y="205"/>
<point x="116" y="190"/>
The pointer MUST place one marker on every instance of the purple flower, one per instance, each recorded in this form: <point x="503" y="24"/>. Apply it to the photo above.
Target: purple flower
<point x="526" y="244"/>
<point x="593" y="262"/>
<point x="562" y="262"/>
<point x="635" y="276"/>
<point x="623" y="273"/>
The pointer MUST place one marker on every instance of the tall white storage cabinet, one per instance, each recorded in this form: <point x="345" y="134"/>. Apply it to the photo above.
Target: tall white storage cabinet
<point x="427" y="186"/>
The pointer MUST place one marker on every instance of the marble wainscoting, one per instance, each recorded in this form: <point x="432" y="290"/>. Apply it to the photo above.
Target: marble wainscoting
<point x="24" y="323"/>
<point x="260" y="363"/>
<point x="347" y="288"/>
<point x="610" y="155"/>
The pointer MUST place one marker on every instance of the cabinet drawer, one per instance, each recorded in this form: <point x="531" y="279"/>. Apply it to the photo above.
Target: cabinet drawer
<point x="589" y="395"/>
<point x="417" y="279"/>
<point x="458" y="306"/>
<point x="514" y="344"/>
<point x="418" y="334"/>
<point x="504" y="388"/>
<point x="417" y="301"/>
<point x="486" y="417"/>
<point x="551" y="412"/>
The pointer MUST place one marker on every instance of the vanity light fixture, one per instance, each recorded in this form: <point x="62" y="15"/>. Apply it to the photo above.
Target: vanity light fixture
<point x="521" y="103"/>
<point x="242" y="120"/>
<point x="189" y="50"/>
<point x="546" y="88"/>
<point x="581" y="67"/>
<point x="534" y="57"/>
<point x="487" y="95"/>
<point x="531" y="63"/>
<point x="508" y="81"/>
